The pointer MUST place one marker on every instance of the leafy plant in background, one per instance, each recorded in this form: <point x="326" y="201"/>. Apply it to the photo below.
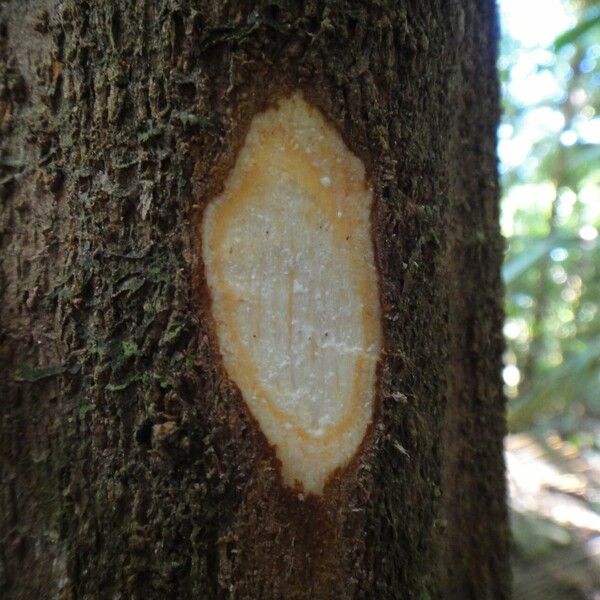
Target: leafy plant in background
<point x="549" y="145"/>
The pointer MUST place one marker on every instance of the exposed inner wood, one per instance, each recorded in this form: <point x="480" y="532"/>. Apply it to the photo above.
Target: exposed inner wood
<point x="289" y="263"/>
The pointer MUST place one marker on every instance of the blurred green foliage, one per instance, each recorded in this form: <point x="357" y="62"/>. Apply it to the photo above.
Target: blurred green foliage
<point x="549" y="146"/>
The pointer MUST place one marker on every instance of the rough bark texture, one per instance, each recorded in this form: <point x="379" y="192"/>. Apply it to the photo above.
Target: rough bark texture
<point x="130" y="467"/>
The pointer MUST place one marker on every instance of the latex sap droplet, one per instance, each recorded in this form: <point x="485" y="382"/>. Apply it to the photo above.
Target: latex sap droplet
<point x="290" y="267"/>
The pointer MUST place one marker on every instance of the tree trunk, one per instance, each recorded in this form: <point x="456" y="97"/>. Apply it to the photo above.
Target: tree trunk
<point x="131" y="464"/>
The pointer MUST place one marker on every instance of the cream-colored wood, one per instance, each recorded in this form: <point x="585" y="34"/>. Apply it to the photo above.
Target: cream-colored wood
<point x="289" y="262"/>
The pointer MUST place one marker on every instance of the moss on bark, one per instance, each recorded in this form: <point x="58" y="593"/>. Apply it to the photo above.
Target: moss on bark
<point x="130" y="467"/>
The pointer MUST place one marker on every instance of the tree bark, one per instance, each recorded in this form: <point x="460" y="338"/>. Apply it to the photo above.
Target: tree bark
<point x="130" y="465"/>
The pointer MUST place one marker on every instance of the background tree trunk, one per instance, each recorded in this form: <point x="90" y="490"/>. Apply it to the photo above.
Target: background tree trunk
<point x="130" y="465"/>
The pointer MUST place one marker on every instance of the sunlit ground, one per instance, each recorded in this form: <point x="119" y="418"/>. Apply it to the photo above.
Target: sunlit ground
<point x="549" y="161"/>
<point x="555" y="491"/>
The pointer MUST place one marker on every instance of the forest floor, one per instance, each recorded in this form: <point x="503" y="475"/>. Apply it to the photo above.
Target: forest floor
<point x="554" y="488"/>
